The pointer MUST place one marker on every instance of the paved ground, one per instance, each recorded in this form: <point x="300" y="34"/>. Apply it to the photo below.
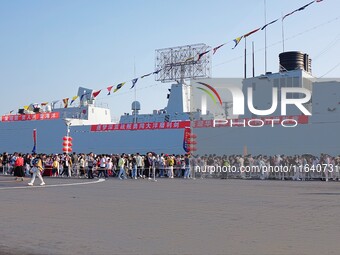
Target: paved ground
<point x="170" y="217"/>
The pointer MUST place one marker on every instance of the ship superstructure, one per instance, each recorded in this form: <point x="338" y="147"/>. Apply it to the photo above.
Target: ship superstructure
<point x="191" y="106"/>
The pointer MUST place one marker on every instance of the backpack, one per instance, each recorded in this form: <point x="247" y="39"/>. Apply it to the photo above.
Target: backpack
<point x="171" y="162"/>
<point x="55" y="164"/>
<point x="90" y="163"/>
<point x="35" y="161"/>
<point x="120" y="162"/>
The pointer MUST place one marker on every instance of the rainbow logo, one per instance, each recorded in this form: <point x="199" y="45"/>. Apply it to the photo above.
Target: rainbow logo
<point x="211" y="92"/>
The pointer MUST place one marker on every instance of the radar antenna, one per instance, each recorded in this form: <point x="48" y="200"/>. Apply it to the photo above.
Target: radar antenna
<point x="183" y="62"/>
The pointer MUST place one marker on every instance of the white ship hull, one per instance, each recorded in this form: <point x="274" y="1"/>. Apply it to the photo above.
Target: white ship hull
<point x="92" y="130"/>
<point x="311" y="138"/>
<point x="18" y="137"/>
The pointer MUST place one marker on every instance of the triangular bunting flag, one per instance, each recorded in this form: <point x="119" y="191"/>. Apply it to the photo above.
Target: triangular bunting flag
<point x="73" y="99"/>
<point x="134" y="81"/>
<point x="65" y="101"/>
<point x="109" y="89"/>
<point x="300" y="9"/>
<point x="145" y="75"/>
<point x="237" y="41"/>
<point x="251" y="32"/>
<point x="216" y="48"/>
<point x="119" y="86"/>
<point x="96" y="93"/>
<point x="82" y="96"/>
<point x="156" y="72"/>
<point x="202" y="54"/>
<point x="269" y="24"/>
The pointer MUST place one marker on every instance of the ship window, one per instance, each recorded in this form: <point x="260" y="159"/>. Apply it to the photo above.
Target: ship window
<point x="92" y="110"/>
<point x="105" y="112"/>
<point x="254" y="86"/>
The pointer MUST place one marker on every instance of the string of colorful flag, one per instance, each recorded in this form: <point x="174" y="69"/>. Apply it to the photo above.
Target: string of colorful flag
<point x="237" y="40"/>
<point x="66" y="101"/>
<point x="109" y="89"/>
<point x="134" y="81"/>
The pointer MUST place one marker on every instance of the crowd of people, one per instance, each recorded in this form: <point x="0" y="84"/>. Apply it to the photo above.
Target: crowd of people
<point x="152" y="165"/>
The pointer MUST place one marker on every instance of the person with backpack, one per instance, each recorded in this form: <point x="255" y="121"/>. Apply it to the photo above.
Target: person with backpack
<point x="55" y="166"/>
<point x="170" y="163"/>
<point x="36" y="170"/>
<point x="121" y="162"/>
<point x="90" y="165"/>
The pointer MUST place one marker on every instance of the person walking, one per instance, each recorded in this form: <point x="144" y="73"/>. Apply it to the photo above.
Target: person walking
<point x="67" y="165"/>
<point x="36" y="170"/>
<point x="134" y="167"/>
<point x="187" y="173"/>
<point x="170" y="163"/>
<point x="90" y="165"/>
<point x="75" y="164"/>
<point x="139" y="162"/>
<point x="82" y="165"/>
<point x="19" y="167"/>
<point x="121" y="163"/>
<point x="55" y="167"/>
<point x="102" y="167"/>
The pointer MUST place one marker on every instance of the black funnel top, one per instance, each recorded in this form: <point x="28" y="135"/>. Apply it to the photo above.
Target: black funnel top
<point x="294" y="60"/>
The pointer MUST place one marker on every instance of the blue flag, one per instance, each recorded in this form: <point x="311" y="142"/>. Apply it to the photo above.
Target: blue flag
<point x="134" y="81"/>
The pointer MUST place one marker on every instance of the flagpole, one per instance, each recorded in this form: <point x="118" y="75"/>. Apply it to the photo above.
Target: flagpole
<point x="253" y="58"/>
<point x="283" y="35"/>
<point x="245" y="57"/>
<point x="135" y="91"/>
<point x="34" y="141"/>
<point x="265" y="37"/>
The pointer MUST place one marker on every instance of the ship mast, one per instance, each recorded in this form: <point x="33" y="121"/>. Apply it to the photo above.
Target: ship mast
<point x="265" y="37"/>
<point x="135" y="91"/>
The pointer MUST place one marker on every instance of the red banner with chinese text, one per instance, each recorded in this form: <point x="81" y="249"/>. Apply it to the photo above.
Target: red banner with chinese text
<point x="300" y="119"/>
<point x="28" y="117"/>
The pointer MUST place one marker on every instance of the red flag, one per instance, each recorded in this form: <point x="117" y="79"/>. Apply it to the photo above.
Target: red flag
<point x="252" y="32"/>
<point x="65" y="101"/>
<point x="95" y="94"/>
<point x="109" y="89"/>
<point x="216" y="48"/>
